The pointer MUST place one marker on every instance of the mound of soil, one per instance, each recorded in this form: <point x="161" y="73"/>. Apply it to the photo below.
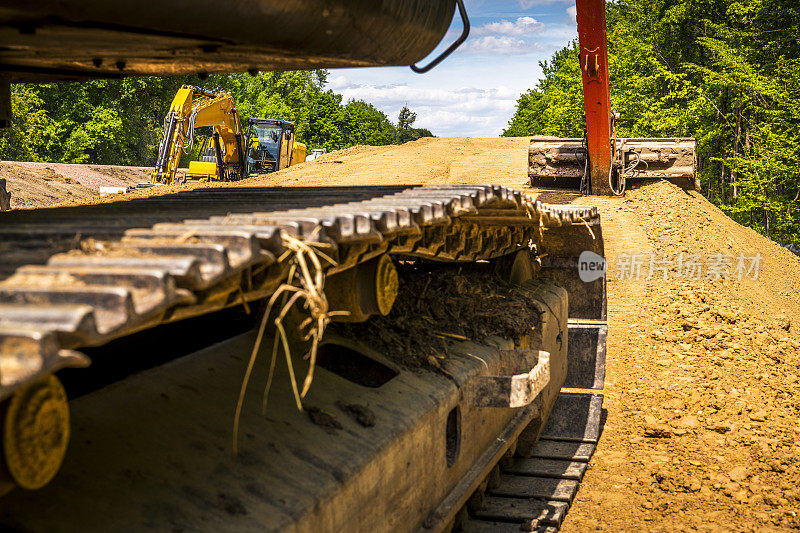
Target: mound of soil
<point x="46" y="184"/>
<point x="438" y="305"/>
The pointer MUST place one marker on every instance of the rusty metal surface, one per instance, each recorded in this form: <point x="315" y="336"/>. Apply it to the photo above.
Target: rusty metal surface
<point x="121" y="277"/>
<point x="566" y="450"/>
<point x="658" y="158"/>
<point x="554" y="159"/>
<point x="563" y="162"/>
<point x="575" y="417"/>
<point x="45" y="40"/>
<point x="533" y="492"/>
<point x="555" y="468"/>
<point x="516" y="390"/>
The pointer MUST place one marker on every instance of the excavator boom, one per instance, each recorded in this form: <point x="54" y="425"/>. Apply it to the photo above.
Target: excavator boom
<point x="195" y="107"/>
<point x="82" y="39"/>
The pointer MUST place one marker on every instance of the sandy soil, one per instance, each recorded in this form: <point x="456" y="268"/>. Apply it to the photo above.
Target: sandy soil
<point x="702" y="379"/>
<point x="46" y="184"/>
<point x="702" y="375"/>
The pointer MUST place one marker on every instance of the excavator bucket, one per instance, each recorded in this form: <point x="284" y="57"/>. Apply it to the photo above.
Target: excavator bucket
<point x="659" y="158"/>
<point x="555" y="162"/>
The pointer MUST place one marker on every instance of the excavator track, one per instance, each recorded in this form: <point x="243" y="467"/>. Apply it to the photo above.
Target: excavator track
<point x="84" y="276"/>
<point x="175" y="270"/>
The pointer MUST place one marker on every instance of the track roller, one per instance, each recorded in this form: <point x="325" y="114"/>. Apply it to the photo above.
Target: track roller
<point x="367" y="289"/>
<point x="36" y="432"/>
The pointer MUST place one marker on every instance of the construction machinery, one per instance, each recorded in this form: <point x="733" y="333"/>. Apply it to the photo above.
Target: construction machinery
<point x="271" y="146"/>
<point x="382" y="358"/>
<point x="227" y="154"/>
<point x="600" y="162"/>
<point x="195" y="107"/>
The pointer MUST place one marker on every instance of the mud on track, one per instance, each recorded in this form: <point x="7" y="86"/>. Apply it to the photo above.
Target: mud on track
<point x="702" y="376"/>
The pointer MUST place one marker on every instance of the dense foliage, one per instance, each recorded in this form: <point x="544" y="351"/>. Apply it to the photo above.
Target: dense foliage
<point x="121" y="121"/>
<point x="726" y="72"/>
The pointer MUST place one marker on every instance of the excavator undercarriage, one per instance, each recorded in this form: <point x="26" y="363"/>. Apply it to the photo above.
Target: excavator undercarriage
<point x="389" y="437"/>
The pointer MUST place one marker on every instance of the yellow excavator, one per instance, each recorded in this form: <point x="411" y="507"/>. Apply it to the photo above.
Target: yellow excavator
<point x="228" y="154"/>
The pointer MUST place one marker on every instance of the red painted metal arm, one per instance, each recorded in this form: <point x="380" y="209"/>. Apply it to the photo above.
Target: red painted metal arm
<point x="591" y="16"/>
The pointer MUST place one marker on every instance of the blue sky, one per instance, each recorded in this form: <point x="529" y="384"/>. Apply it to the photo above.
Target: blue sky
<point x="473" y="92"/>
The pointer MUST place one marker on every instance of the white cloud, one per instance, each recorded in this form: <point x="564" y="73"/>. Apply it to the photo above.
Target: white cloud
<point x="521" y="26"/>
<point x="572" y="13"/>
<point x="337" y="83"/>
<point x="472" y="93"/>
<point x="499" y="45"/>
<point x="560" y="33"/>
<point x="528" y="4"/>
<point x="459" y="111"/>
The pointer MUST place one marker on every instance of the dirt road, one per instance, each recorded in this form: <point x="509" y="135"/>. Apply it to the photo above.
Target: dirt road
<point x="702" y="375"/>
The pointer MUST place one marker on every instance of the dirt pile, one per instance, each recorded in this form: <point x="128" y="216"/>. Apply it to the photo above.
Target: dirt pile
<point x="45" y="184"/>
<point x="702" y="379"/>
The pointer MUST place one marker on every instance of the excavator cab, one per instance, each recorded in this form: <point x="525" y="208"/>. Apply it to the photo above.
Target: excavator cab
<point x="270" y="145"/>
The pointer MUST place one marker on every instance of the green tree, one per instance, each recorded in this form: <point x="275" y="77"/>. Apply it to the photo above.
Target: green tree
<point x="723" y="71"/>
<point x="122" y="121"/>
<point x="362" y="123"/>
<point x="405" y="131"/>
<point x="406" y="119"/>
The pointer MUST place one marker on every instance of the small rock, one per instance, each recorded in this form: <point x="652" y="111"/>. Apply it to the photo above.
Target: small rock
<point x="721" y="427"/>
<point x="688" y="422"/>
<point x="776" y="465"/>
<point x="674" y="403"/>
<point x="728" y="489"/>
<point x="687" y="325"/>
<point x="321" y="418"/>
<point x="740" y="496"/>
<point x="758" y="416"/>
<point x="738" y="473"/>
<point x="782" y="321"/>
<point x="655" y="428"/>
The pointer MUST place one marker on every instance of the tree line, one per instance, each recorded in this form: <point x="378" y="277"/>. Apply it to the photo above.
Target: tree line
<point x="726" y="72"/>
<point x="122" y="121"/>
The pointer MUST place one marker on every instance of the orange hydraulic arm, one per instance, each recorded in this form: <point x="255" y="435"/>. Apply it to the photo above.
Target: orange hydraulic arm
<point x="591" y="16"/>
<point x="196" y="107"/>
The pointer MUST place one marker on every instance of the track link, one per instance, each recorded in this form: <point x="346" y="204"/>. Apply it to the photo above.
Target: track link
<point x="141" y="277"/>
<point x="535" y="493"/>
